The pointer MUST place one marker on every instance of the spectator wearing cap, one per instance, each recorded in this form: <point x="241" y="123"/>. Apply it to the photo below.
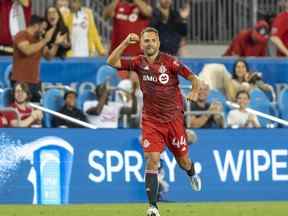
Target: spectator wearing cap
<point x="279" y="32"/>
<point x="250" y="42"/>
<point x="71" y="110"/>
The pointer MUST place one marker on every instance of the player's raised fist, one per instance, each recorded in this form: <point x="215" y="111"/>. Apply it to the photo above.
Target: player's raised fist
<point x="132" y="38"/>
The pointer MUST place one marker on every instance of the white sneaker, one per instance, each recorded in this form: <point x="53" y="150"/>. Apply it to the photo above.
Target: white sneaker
<point x="195" y="182"/>
<point x="153" y="211"/>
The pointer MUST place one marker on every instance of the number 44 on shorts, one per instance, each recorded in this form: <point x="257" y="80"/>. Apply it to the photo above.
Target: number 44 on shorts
<point x="179" y="143"/>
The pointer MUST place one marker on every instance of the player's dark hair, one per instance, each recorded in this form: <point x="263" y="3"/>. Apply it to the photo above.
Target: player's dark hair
<point x="234" y="76"/>
<point x="35" y="19"/>
<point x="150" y="29"/>
<point x="242" y="92"/>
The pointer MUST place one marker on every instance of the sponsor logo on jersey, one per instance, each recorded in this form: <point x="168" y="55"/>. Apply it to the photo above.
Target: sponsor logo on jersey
<point x="149" y="78"/>
<point x="164" y="78"/>
<point x="162" y="69"/>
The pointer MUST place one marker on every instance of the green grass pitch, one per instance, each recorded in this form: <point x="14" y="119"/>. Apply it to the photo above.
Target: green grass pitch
<point x="166" y="209"/>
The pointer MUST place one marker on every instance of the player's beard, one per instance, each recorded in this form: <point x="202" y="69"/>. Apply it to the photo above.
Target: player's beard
<point x="151" y="52"/>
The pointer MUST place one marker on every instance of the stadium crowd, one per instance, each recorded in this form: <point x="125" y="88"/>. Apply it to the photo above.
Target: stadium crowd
<point x="68" y="29"/>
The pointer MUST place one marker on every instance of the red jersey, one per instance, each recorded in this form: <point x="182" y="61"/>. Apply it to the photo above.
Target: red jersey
<point x="5" y="8"/>
<point x="127" y="19"/>
<point x="243" y="45"/>
<point x="23" y="114"/>
<point x="162" y="99"/>
<point x="280" y="28"/>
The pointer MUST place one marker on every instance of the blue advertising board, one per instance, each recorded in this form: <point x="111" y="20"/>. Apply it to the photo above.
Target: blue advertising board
<point x="58" y="166"/>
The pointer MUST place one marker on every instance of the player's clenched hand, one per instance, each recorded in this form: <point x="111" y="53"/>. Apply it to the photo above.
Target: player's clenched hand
<point x="132" y="38"/>
<point x="193" y="96"/>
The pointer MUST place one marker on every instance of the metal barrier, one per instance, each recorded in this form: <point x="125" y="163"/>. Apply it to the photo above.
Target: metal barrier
<point x="104" y="27"/>
<point x="39" y="6"/>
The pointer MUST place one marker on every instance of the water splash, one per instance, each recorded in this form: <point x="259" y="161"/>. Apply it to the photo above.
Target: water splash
<point x="10" y="156"/>
<point x="13" y="152"/>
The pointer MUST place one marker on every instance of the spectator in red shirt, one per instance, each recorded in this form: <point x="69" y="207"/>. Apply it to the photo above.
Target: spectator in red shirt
<point x="279" y="33"/>
<point x="3" y="120"/>
<point x="27" y="116"/>
<point x="129" y="16"/>
<point x="250" y="42"/>
<point x="11" y="24"/>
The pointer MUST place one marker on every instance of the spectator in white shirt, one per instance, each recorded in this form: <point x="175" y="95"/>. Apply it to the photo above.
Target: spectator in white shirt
<point x="104" y="113"/>
<point x="240" y="118"/>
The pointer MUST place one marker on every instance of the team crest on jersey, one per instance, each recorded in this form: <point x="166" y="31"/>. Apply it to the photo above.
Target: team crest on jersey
<point x="146" y="143"/>
<point x="164" y="78"/>
<point x="162" y="69"/>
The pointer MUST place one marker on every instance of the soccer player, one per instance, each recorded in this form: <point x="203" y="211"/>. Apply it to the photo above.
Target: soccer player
<point x="162" y="119"/>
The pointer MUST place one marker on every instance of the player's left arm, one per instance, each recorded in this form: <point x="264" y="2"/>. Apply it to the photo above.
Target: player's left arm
<point x="144" y="7"/>
<point x="195" y="82"/>
<point x="184" y="71"/>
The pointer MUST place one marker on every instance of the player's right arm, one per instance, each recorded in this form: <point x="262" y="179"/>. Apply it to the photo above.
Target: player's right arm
<point x="115" y="57"/>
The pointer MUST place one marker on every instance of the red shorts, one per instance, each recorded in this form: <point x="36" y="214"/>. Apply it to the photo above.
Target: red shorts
<point x="156" y="135"/>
